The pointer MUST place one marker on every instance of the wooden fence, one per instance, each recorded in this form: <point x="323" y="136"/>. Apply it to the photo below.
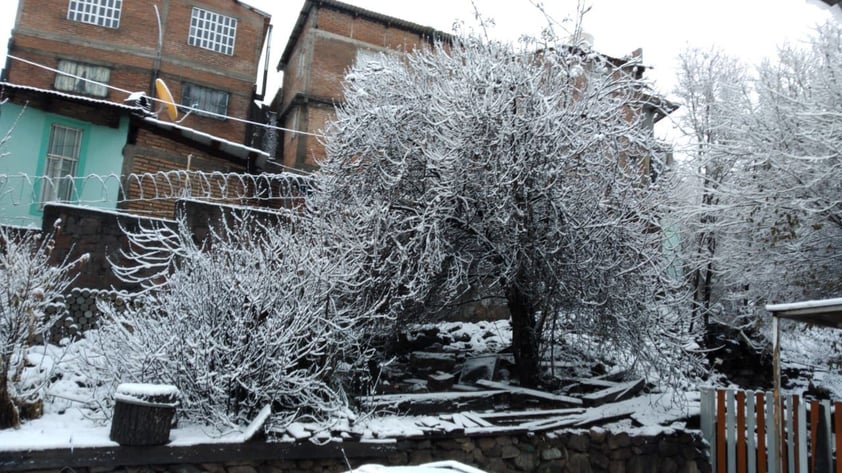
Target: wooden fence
<point x="739" y="426"/>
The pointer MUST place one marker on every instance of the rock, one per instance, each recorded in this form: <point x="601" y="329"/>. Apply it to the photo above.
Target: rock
<point x="598" y="435"/>
<point x="578" y="443"/>
<point x="668" y="448"/>
<point x="619" y="441"/>
<point x="599" y="459"/>
<point x="417" y="457"/>
<point x="690" y="467"/>
<point x="668" y="465"/>
<point x="642" y="464"/>
<point x="527" y="461"/>
<point x="617" y="467"/>
<point x="486" y="443"/>
<point x="551" y="467"/>
<point x="509" y="451"/>
<point x="579" y="463"/>
<point x="234" y="469"/>
<point x="551" y="454"/>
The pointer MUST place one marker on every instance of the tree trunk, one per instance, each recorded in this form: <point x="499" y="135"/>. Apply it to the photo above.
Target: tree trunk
<point x="524" y="338"/>
<point x="9" y="417"/>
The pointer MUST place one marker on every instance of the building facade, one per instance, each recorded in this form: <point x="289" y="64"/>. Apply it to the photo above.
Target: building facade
<point x="206" y="51"/>
<point x="328" y="38"/>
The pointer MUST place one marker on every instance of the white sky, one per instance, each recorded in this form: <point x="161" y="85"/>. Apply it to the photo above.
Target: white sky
<point x="750" y="29"/>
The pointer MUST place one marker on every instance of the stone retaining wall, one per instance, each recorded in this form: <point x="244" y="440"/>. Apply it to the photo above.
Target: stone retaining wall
<point x="592" y="451"/>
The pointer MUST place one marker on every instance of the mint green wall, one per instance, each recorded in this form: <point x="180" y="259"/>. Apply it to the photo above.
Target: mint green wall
<point x="22" y="156"/>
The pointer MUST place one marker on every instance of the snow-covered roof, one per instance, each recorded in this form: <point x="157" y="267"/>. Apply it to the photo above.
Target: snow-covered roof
<point x="72" y="97"/>
<point x="228" y="147"/>
<point x="824" y="312"/>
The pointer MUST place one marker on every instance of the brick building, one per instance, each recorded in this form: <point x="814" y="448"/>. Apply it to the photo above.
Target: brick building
<point x="208" y="54"/>
<point x="328" y="38"/>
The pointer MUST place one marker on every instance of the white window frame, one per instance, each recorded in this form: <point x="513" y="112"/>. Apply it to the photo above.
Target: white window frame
<point x="62" y="160"/>
<point x="212" y="31"/>
<point x="75" y="78"/>
<point x="104" y="13"/>
<point x="199" y="98"/>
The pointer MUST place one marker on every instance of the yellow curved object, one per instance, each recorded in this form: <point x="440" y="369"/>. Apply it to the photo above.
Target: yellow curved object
<point x="164" y="95"/>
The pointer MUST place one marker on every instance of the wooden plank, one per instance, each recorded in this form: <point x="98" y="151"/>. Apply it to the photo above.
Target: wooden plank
<point x="465" y="421"/>
<point x="496" y="430"/>
<point x="477" y="419"/>
<point x="600" y="383"/>
<point x="800" y="434"/>
<point x="615" y="393"/>
<point x="731" y="430"/>
<point x="510" y="415"/>
<point x="552" y="423"/>
<point x="822" y="441"/>
<point x="760" y="407"/>
<point x="771" y="434"/>
<point x="720" y="431"/>
<point x="385" y="399"/>
<point x="708" y="421"/>
<point x="837" y="428"/>
<point x="433" y="403"/>
<point x="788" y="438"/>
<point x="751" y="438"/>
<point x="604" y="418"/>
<point x="741" y="431"/>
<point x="530" y="392"/>
<point x="814" y="431"/>
<point x="257" y="423"/>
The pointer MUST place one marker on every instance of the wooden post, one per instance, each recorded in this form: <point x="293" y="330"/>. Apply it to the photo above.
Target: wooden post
<point x="720" y="431"/>
<point x="760" y="403"/>
<point x="741" y="431"/>
<point x="776" y="330"/>
<point x="143" y="414"/>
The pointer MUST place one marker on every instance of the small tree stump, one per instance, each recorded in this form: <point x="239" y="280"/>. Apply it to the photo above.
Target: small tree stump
<point x="143" y="414"/>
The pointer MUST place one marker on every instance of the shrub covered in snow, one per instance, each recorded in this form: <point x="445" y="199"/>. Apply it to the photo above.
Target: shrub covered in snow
<point x="30" y="283"/>
<point x="245" y="319"/>
<point x="490" y="167"/>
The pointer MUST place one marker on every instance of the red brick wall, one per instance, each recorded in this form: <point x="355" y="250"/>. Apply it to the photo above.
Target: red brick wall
<point x="327" y="48"/>
<point x="45" y="35"/>
<point x="152" y="153"/>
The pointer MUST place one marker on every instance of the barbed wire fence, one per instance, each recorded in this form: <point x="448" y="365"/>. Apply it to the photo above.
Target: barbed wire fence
<point x="149" y="194"/>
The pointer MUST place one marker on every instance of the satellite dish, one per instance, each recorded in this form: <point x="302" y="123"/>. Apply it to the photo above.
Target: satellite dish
<point x="165" y="96"/>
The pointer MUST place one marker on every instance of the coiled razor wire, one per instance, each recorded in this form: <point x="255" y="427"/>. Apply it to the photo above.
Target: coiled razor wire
<point x="283" y="189"/>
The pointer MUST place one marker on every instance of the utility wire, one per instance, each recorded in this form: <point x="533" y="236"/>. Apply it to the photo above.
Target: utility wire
<point x="155" y="99"/>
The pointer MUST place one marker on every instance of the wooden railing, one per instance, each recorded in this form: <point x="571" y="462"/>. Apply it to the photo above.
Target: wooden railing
<point x="740" y="428"/>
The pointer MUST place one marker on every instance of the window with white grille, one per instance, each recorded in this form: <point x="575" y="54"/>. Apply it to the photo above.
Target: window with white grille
<point x="96" y="12"/>
<point x="62" y="157"/>
<point x="204" y="98"/>
<point x="212" y="31"/>
<point x="82" y="78"/>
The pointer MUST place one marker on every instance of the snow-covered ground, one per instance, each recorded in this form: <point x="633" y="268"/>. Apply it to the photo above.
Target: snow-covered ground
<point x="71" y="419"/>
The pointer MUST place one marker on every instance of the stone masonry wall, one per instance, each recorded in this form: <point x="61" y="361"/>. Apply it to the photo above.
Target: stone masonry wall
<point x="593" y="451"/>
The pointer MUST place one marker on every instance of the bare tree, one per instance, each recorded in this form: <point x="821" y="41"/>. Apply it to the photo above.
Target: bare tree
<point x="767" y="222"/>
<point x="519" y="170"/>
<point x="714" y="90"/>
<point x="30" y="284"/>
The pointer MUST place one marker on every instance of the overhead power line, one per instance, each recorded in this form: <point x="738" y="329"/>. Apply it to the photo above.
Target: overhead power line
<point x="155" y="99"/>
